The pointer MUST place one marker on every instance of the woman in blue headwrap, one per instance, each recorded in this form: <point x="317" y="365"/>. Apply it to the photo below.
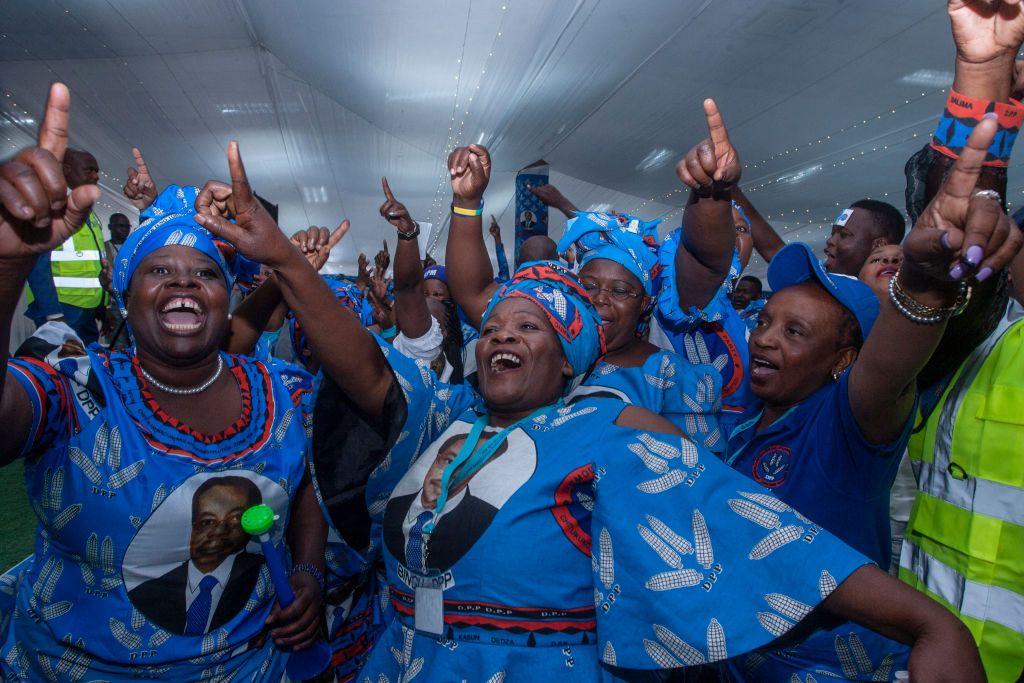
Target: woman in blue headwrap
<point x="138" y="464"/>
<point x="619" y="266"/>
<point x="526" y="539"/>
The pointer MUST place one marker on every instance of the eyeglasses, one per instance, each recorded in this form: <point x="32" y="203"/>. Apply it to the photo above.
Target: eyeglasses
<point x="617" y="293"/>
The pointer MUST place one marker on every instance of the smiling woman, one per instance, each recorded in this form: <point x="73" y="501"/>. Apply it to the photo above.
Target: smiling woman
<point x="112" y="441"/>
<point x="560" y="523"/>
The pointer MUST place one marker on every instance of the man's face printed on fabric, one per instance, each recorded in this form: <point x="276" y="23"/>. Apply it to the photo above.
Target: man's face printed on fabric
<point x="217" y="525"/>
<point x="432" y="481"/>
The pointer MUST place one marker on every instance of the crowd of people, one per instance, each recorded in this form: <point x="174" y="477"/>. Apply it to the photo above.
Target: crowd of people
<point x="623" y="459"/>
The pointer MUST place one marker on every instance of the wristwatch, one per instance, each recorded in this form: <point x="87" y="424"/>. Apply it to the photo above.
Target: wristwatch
<point x="407" y="236"/>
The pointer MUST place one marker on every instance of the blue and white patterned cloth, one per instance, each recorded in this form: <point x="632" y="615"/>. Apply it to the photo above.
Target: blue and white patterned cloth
<point x="687" y="394"/>
<point x="135" y="509"/>
<point x="714" y="335"/>
<point x="557" y="562"/>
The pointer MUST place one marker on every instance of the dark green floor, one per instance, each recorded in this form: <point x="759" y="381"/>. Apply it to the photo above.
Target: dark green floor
<point x="17" y="523"/>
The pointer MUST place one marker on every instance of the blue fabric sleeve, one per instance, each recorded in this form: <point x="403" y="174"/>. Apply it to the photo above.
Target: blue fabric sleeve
<point x="672" y="525"/>
<point x="671" y="314"/>
<point x="503" y="272"/>
<point x="40" y="280"/>
<point x="432" y="404"/>
<point x="851" y="463"/>
<point x="50" y="396"/>
<point x="692" y="399"/>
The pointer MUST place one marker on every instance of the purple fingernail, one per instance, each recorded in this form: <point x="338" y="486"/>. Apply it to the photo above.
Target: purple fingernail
<point x="945" y="240"/>
<point x="974" y="254"/>
<point x="956" y="272"/>
<point x="983" y="274"/>
<point x="991" y="115"/>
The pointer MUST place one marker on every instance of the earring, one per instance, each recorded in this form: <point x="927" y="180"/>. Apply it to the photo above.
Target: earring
<point x="836" y="375"/>
<point x="229" y="317"/>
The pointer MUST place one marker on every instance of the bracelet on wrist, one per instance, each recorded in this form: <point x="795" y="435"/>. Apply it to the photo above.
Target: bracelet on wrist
<point x="922" y="314"/>
<point x="312" y="571"/>
<point x="459" y="211"/>
<point x="960" y="117"/>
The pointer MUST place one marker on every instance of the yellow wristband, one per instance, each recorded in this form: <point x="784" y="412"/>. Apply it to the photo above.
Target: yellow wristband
<point x="459" y="211"/>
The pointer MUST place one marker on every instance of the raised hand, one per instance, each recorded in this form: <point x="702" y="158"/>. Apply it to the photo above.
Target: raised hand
<point x="549" y="194"/>
<point x="316" y="243"/>
<point x="254" y="232"/>
<point x="713" y="161"/>
<point x="470" y="170"/>
<point x="495" y="229"/>
<point x="986" y="30"/>
<point x="383" y="309"/>
<point x="36" y="214"/>
<point x="394" y="212"/>
<point x="961" y="233"/>
<point x="383" y="259"/>
<point x="139" y="188"/>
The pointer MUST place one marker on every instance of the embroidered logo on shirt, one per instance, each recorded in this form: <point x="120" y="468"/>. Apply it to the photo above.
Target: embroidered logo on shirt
<point x="771" y="466"/>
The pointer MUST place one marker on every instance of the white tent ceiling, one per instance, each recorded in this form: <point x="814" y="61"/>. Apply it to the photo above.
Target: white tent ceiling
<point x="825" y="99"/>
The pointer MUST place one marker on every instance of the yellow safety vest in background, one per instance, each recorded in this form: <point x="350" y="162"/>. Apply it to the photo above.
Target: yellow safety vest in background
<point x="76" y="266"/>
<point x="964" y="543"/>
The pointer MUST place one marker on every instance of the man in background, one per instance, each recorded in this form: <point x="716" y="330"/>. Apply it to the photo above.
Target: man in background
<point x="65" y="284"/>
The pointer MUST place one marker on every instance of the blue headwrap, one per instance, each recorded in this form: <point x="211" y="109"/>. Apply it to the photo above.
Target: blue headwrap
<point x="629" y="241"/>
<point x="557" y="291"/>
<point x="436" y="273"/>
<point x="169" y="221"/>
<point x="349" y="296"/>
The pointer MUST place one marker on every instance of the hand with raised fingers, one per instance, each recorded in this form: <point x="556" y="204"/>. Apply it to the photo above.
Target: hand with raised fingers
<point x="986" y="30"/>
<point x="713" y="163"/>
<point x="316" y="243"/>
<point x="495" y="230"/>
<point x="470" y="171"/>
<point x="139" y="188"/>
<point x="394" y="211"/>
<point x="382" y="260"/>
<point x="254" y="233"/>
<point x="383" y="309"/>
<point x="962" y="233"/>
<point x="36" y="213"/>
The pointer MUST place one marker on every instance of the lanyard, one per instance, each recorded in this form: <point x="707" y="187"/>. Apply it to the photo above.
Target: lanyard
<point x="473" y="459"/>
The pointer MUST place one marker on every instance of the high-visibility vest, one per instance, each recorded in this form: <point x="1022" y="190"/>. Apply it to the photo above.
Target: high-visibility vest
<point x="964" y="543"/>
<point x="76" y="266"/>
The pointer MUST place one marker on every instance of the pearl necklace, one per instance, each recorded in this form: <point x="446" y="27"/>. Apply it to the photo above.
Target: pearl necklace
<point x="185" y="391"/>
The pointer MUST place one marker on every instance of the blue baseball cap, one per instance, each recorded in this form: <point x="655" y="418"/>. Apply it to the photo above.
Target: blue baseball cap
<point x="796" y="263"/>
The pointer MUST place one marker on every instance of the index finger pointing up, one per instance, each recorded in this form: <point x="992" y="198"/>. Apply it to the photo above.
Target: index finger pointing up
<point x="716" y="126"/>
<point x="139" y="161"/>
<point x="53" y="131"/>
<point x="239" y="180"/>
<point x="387" y="190"/>
<point x="967" y="168"/>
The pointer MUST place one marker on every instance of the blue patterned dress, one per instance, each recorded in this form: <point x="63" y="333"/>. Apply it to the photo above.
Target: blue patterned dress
<point x="714" y="335"/>
<point x="579" y="543"/>
<point x="130" y="504"/>
<point x="686" y="394"/>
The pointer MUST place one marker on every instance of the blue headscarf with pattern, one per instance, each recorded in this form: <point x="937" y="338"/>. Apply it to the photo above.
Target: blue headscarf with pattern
<point x="168" y="221"/>
<point x="627" y="240"/>
<point x="557" y="291"/>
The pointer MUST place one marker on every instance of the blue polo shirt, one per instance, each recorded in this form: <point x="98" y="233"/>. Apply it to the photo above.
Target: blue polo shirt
<point x="816" y="459"/>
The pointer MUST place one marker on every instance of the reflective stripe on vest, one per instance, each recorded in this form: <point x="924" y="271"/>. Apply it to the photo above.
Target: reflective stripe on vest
<point x="63" y="282"/>
<point x="970" y="598"/>
<point x="72" y="255"/>
<point x="973" y="494"/>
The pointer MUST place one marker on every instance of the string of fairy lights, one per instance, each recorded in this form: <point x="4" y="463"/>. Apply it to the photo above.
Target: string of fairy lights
<point x="790" y="175"/>
<point x="439" y="205"/>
